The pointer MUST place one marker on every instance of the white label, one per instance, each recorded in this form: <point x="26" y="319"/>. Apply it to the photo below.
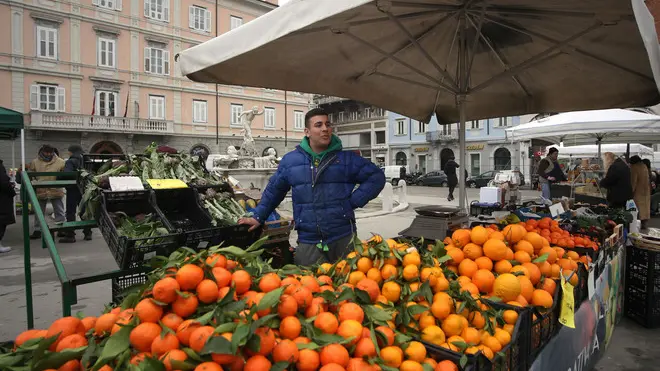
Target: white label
<point x="556" y="209"/>
<point x="203" y="244"/>
<point x="411" y="250"/>
<point x="591" y="284"/>
<point x="149" y="255"/>
<point x="126" y="183"/>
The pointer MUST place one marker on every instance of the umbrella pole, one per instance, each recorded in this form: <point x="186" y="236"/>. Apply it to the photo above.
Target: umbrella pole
<point x="22" y="149"/>
<point x="461" y="148"/>
<point x="13" y="153"/>
<point x="628" y="152"/>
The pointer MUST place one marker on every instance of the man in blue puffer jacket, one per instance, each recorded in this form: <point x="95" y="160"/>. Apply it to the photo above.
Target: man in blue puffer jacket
<point x="322" y="178"/>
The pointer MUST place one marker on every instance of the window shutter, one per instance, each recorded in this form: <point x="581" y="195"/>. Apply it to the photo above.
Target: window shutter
<point x="61" y="102"/>
<point x="166" y="62"/>
<point x="146" y="8"/>
<point x="207" y="21"/>
<point x="117" y="4"/>
<point x="166" y="10"/>
<point x="147" y="59"/>
<point x="34" y="97"/>
<point x="191" y="16"/>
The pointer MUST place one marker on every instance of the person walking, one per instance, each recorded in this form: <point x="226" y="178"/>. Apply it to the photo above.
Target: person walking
<point x="73" y="196"/>
<point x="7" y="194"/>
<point x="452" y="178"/>
<point x="549" y="172"/>
<point x="617" y="181"/>
<point x="48" y="161"/>
<point x="641" y="189"/>
<point x="322" y="179"/>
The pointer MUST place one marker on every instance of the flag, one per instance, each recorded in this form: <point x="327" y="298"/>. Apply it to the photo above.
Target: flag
<point x="126" y="109"/>
<point x="91" y="120"/>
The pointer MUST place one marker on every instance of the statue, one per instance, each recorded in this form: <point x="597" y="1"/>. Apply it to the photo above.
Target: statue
<point x="232" y="152"/>
<point x="248" y="149"/>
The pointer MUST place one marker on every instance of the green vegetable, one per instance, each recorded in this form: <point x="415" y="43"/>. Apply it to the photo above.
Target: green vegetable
<point x="224" y="209"/>
<point x="139" y="226"/>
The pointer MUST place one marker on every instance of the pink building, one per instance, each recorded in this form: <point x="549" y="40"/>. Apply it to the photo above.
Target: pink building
<point x="102" y="73"/>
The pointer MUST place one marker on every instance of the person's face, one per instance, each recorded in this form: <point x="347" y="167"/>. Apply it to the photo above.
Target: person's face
<point x="70" y="153"/>
<point x="48" y="154"/>
<point x="554" y="156"/>
<point x="319" y="131"/>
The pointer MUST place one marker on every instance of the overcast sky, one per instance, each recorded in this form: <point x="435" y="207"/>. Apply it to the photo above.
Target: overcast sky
<point x="282" y="2"/>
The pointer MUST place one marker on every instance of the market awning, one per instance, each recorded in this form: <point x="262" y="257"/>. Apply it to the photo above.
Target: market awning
<point x="11" y="123"/>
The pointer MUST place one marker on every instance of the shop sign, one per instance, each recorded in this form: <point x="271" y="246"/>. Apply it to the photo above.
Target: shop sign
<point x="422" y="149"/>
<point x="474" y="147"/>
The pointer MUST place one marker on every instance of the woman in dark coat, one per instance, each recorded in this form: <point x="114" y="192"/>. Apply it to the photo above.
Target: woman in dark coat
<point x="617" y="181"/>
<point x="7" y="194"/>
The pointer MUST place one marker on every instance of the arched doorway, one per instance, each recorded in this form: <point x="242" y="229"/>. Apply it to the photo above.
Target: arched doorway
<point x="401" y="159"/>
<point x="445" y="155"/>
<point x="502" y="159"/>
<point x="106" y="147"/>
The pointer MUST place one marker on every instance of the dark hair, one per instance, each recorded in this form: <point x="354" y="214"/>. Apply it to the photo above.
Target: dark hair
<point x="75" y="148"/>
<point x="552" y="150"/>
<point x="635" y="159"/>
<point x="47" y="148"/>
<point x="647" y="162"/>
<point x="318" y="111"/>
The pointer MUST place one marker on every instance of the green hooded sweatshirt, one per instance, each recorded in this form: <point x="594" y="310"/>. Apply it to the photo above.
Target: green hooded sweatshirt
<point x="335" y="145"/>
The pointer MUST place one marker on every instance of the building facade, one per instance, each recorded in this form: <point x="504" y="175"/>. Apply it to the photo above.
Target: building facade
<point x="103" y="73"/>
<point x="408" y="143"/>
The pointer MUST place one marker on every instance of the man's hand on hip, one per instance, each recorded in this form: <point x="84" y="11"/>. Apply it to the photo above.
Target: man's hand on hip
<point x="252" y="222"/>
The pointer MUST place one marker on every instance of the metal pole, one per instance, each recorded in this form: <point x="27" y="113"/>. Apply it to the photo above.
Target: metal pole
<point x="13" y="153"/>
<point x="461" y="148"/>
<point x="22" y="149"/>
<point x="286" y="121"/>
<point x="628" y="152"/>
<point x="26" y="254"/>
<point x="460" y="100"/>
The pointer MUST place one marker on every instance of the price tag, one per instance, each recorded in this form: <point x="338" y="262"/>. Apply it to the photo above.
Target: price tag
<point x="591" y="284"/>
<point x="166" y="183"/>
<point x="567" y="314"/>
<point x="125" y="183"/>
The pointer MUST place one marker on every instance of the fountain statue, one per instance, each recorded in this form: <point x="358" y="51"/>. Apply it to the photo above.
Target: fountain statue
<point x="248" y="149"/>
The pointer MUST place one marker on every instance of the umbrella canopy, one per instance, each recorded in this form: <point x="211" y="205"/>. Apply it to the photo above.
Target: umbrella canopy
<point x="587" y="151"/>
<point x="590" y="127"/>
<point x="415" y="57"/>
<point x="11" y="123"/>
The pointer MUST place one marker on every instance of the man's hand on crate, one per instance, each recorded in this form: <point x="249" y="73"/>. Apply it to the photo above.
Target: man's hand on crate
<point x="252" y="222"/>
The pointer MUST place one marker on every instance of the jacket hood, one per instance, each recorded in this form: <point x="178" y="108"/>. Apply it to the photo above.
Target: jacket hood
<point x="335" y="145"/>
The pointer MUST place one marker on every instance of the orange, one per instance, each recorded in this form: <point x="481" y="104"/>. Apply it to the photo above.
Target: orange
<point x="484" y="280"/>
<point x="535" y="239"/>
<point x="526" y="288"/>
<point x="461" y="237"/>
<point x="457" y="256"/>
<point x="441" y="309"/>
<point x="185" y="329"/>
<point x="185" y="305"/>
<point x="497" y="235"/>
<point x="64" y="327"/>
<point x="365" y="348"/>
<point x="208" y="366"/>
<point x="173" y="355"/>
<point x="216" y="260"/>
<point x="72" y="365"/>
<point x="542" y="298"/>
<point x="412" y="258"/>
<point x="492" y="343"/>
<point x="442" y="285"/>
<point x="502" y="336"/>
<point x="290" y="327"/>
<point x="207" y="291"/>
<point x="392" y="356"/>
<point x="355" y="277"/>
<point x="534" y="272"/>
<point x="257" y="363"/>
<point x="411" y="272"/>
<point x="371" y="287"/>
<point x="222" y="276"/>
<point x="446" y="365"/>
<point x="326" y="322"/>
<point x="267" y="340"/>
<point x="317" y="306"/>
<point x="503" y="266"/>
<point x="311" y="283"/>
<point x="484" y="262"/>
<point x="471" y="335"/>
<point x="495" y="249"/>
<point x="164" y="344"/>
<point x="350" y="311"/>
<point x="428" y="274"/>
<point x="143" y="335"/>
<point x="241" y="280"/>
<point x="165" y="290"/>
<point x="409" y="365"/>
<point x="453" y="325"/>
<point x="88" y="322"/>
<point x="507" y="287"/>
<point x="472" y="251"/>
<point x="467" y="268"/>
<point x="478" y="235"/>
<point x="549" y="285"/>
<point x="524" y="246"/>
<point x="71" y="342"/>
<point x="303" y="296"/>
<point x="522" y="257"/>
<point x="415" y="351"/>
<point x="388" y="271"/>
<point x="334" y="353"/>
<point x="33" y="334"/>
<point x="269" y="282"/>
<point x="288" y="306"/>
<point x="103" y="324"/>
<point x="286" y="351"/>
<point x="199" y="337"/>
<point x="392" y="291"/>
<point x="189" y="276"/>
<point x="514" y="233"/>
<point x="356" y="364"/>
<point x="387" y="334"/>
<point x="510" y="316"/>
<point x="308" y="360"/>
<point x="350" y="329"/>
<point x="520" y="271"/>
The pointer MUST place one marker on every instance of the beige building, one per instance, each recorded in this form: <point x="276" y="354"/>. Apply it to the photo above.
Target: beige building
<point x="102" y="73"/>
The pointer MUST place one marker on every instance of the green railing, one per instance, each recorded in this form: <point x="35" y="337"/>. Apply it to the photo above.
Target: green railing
<point x="69" y="291"/>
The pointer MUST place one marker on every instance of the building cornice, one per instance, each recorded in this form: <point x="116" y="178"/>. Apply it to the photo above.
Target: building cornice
<point x="37" y="15"/>
<point x="4" y="67"/>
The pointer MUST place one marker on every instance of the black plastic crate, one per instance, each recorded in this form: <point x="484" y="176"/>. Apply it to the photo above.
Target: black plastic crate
<point x="280" y="253"/>
<point x="642" y="286"/>
<point x="580" y="291"/>
<point x="121" y="284"/>
<point x="544" y="326"/>
<point x="477" y="208"/>
<point x="133" y="252"/>
<point x="514" y="356"/>
<point x="475" y="362"/>
<point x="93" y="162"/>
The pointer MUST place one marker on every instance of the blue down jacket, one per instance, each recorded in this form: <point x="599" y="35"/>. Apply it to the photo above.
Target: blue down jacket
<point x="324" y="197"/>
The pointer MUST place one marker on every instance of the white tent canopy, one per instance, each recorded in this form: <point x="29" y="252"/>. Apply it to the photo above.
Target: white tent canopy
<point x="591" y="127"/>
<point x="591" y="151"/>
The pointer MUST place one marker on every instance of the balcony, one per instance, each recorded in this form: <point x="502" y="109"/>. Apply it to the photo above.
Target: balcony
<point x="326" y="99"/>
<point x="439" y="136"/>
<point x="70" y="121"/>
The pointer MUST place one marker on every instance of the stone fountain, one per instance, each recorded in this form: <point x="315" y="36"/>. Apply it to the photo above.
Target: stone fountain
<point x="244" y="165"/>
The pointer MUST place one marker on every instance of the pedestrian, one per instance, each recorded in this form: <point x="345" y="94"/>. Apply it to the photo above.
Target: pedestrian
<point x="322" y="179"/>
<point x="73" y="196"/>
<point x="639" y="180"/>
<point x="48" y="161"/>
<point x="617" y="181"/>
<point x="402" y="173"/>
<point x="7" y="194"/>
<point x="452" y="178"/>
<point x="550" y="172"/>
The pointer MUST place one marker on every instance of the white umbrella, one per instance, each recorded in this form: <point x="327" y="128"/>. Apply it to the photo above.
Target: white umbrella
<point x="588" y="151"/>
<point x="459" y="59"/>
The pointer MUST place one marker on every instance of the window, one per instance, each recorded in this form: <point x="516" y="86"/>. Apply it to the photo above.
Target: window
<point x="401" y="127"/>
<point x="505" y="121"/>
<point x="156" y="107"/>
<point x="298" y="120"/>
<point x="340" y="117"/>
<point x="156" y="60"/>
<point x="108" y="4"/>
<point x="269" y="117"/>
<point x="200" y="109"/>
<point x="421" y="127"/>
<point x="235" y="22"/>
<point x="45" y="97"/>
<point x="353" y="116"/>
<point x="106" y="101"/>
<point x="199" y="18"/>
<point x="236" y="110"/>
<point x="478" y="124"/>
<point x="157" y="9"/>
<point x="475" y="164"/>
<point x="107" y="49"/>
<point x="46" y="42"/>
<point x="380" y="137"/>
